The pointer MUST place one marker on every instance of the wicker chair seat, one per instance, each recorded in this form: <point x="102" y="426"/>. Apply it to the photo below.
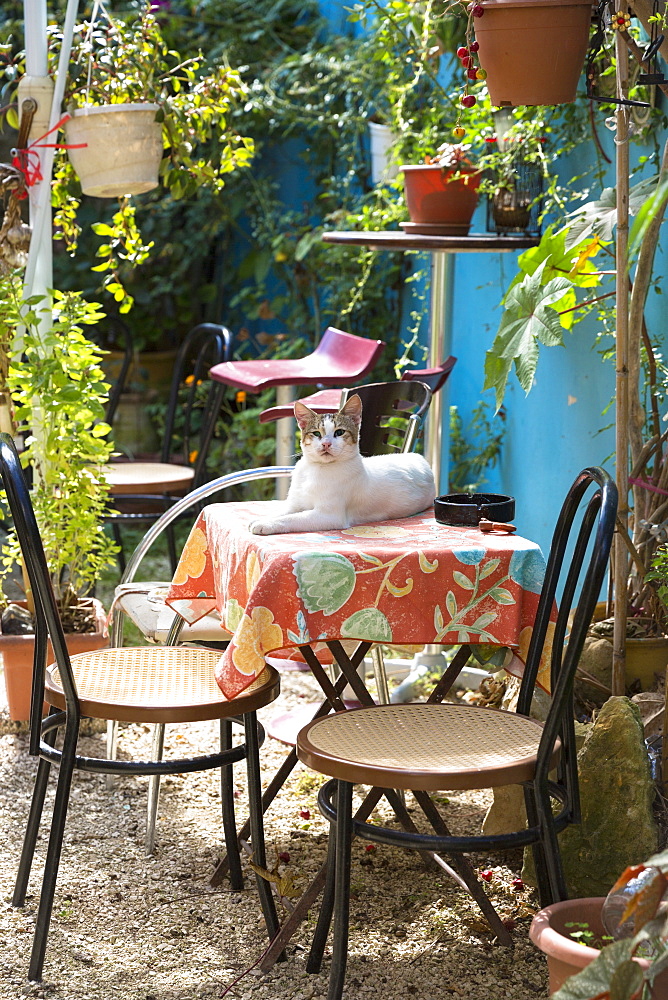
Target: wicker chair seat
<point x="156" y="684"/>
<point x="431" y="747"/>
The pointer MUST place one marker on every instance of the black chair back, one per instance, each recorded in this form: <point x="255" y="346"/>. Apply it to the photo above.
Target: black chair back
<point x="561" y="583"/>
<point x="392" y="415"/>
<point x="47" y="619"/>
<point x="205" y="345"/>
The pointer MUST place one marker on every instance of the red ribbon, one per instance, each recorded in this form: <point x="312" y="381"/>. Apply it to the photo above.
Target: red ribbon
<point x="28" y="162"/>
<point x="648" y="486"/>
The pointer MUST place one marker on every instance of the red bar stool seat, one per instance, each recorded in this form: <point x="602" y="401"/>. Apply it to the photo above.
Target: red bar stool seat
<point x="339" y="358"/>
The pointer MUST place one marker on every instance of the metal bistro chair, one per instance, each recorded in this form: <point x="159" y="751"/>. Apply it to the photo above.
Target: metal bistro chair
<point x="433" y="746"/>
<point x="145" y="684"/>
<point x="140" y="491"/>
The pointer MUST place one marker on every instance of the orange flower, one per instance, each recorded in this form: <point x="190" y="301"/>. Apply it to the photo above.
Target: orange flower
<point x="193" y="560"/>
<point x="255" y="636"/>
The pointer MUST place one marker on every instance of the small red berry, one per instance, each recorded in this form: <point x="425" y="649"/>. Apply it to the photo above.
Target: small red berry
<point x="517" y="884"/>
<point x="305" y="814"/>
<point x="284" y="857"/>
<point x="462" y="51"/>
<point x="477" y="10"/>
<point x="472" y="73"/>
<point x="370" y="848"/>
<point x="468" y="100"/>
<point x="466" y="62"/>
<point x="473" y="47"/>
<point x="487" y="875"/>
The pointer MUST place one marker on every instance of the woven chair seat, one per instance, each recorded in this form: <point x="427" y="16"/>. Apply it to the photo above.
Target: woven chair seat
<point x="157" y="684"/>
<point x="427" y="747"/>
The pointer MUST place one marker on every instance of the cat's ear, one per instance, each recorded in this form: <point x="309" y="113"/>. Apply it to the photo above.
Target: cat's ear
<point x="303" y="415"/>
<point x="352" y="408"/>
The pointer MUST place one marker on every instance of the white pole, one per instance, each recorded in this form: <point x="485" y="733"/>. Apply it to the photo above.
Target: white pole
<point x="40" y="244"/>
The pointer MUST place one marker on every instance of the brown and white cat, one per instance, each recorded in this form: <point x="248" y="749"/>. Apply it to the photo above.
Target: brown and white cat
<point x="334" y="487"/>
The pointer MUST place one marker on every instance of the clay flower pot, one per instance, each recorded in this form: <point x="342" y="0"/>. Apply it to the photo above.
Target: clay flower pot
<point x="533" y="51"/>
<point x="17" y="656"/>
<point x="440" y="200"/>
<point x="565" y="957"/>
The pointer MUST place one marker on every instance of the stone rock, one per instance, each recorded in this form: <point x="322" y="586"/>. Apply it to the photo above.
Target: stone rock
<point x="616" y="794"/>
<point x="596" y="660"/>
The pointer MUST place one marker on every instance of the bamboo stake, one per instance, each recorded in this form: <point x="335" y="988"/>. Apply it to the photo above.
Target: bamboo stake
<point x="620" y="557"/>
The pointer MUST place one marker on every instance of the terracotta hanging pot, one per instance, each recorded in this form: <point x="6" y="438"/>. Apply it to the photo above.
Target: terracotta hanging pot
<point x="533" y="51"/>
<point x="440" y="200"/>
<point x="17" y="655"/>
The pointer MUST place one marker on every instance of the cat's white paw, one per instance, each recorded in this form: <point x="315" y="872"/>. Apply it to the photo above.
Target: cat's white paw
<point x="261" y="527"/>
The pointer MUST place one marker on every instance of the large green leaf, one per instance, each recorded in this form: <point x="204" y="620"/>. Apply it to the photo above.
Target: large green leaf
<point x="599" y="218"/>
<point x="326" y="580"/>
<point x="595" y="979"/>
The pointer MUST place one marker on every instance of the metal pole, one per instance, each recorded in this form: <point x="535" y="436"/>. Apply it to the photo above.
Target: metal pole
<point x="620" y="559"/>
<point x="440" y="298"/>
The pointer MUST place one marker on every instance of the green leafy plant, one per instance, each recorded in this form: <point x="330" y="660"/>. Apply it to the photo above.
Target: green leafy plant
<point x="59" y="393"/>
<point x="473" y="449"/>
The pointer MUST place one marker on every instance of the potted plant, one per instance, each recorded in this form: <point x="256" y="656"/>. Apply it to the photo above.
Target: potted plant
<point x="442" y="194"/>
<point x="59" y="391"/>
<point x="131" y="97"/>
<point x="629" y="933"/>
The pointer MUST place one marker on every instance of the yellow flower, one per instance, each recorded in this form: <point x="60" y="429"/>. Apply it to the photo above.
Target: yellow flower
<point x="375" y="531"/>
<point x="253" y="571"/>
<point x="255" y="637"/>
<point x="193" y="560"/>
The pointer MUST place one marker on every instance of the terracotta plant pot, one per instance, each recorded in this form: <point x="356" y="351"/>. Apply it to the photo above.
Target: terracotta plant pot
<point x="440" y="197"/>
<point x="533" y="51"/>
<point x="17" y="657"/>
<point x="115" y="149"/>
<point x="565" y="957"/>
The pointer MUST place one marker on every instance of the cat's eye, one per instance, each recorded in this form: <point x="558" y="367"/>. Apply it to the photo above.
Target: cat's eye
<point x="316" y="434"/>
<point x="339" y="433"/>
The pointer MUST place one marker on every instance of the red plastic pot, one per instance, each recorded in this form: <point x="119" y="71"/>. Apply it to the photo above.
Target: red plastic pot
<point x="533" y="51"/>
<point x="441" y="197"/>
<point x="17" y="656"/>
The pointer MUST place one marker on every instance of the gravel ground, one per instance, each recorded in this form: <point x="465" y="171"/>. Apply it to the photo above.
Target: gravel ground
<point x="126" y="926"/>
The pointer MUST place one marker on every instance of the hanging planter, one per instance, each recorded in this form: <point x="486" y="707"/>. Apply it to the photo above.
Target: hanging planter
<point x="121" y="148"/>
<point x="533" y="51"/>
<point x="441" y="196"/>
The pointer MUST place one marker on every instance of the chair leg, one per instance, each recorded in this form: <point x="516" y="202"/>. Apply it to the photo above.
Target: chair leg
<point x="120" y="555"/>
<point x="257" y="823"/>
<point x="157" y="748"/>
<point x="344" y="838"/>
<point x="546" y="851"/>
<point x="32" y="826"/>
<point x="380" y="676"/>
<point x="314" y="961"/>
<point x="227" y="805"/>
<point x="53" y="853"/>
<point x="112" y="750"/>
<point x="171" y="547"/>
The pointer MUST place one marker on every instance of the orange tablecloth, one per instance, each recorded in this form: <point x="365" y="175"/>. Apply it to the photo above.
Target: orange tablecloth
<point x="407" y="581"/>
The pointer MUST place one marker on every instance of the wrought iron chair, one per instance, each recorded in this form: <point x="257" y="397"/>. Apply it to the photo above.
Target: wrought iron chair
<point x="432" y="746"/>
<point x="143" y="684"/>
<point x="140" y="491"/>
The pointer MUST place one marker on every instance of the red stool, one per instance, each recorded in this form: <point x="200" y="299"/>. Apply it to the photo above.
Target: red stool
<point x="339" y="358"/>
<point x="329" y="400"/>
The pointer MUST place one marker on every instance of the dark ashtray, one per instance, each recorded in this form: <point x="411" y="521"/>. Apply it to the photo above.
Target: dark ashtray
<point x="466" y="509"/>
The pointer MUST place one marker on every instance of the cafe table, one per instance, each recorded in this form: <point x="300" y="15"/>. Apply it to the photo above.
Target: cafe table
<point x="332" y="594"/>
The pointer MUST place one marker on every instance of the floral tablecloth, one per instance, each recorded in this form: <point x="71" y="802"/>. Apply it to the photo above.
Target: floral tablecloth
<point x="407" y="581"/>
